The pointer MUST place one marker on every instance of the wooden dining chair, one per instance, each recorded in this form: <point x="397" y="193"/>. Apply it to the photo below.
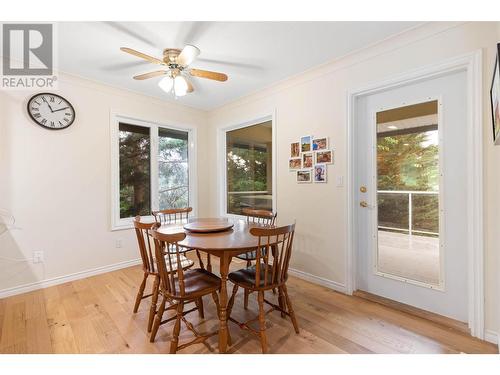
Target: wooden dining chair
<point x="270" y="271"/>
<point x="146" y="249"/>
<point x="179" y="287"/>
<point x="179" y="216"/>
<point x="261" y="217"/>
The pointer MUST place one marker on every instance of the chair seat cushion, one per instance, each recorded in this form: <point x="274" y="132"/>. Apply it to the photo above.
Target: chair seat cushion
<point x="198" y="282"/>
<point x="245" y="277"/>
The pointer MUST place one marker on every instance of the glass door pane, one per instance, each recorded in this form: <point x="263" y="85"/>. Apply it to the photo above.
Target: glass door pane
<point x="408" y="193"/>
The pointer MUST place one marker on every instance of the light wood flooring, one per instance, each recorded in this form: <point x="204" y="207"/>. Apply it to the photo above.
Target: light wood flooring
<point x="94" y="315"/>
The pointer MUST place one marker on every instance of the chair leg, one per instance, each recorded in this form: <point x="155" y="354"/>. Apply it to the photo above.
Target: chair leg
<point x="209" y="263"/>
<point x="245" y="302"/>
<point x="154" y="301"/>
<point x="199" y="305"/>
<point x="262" y="322"/>
<point x="247" y="292"/>
<point x="202" y="266"/>
<point x="140" y="293"/>
<point x="158" y="317"/>
<point x="174" y="343"/>
<point x="290" y="310"/>
<point x="281" y="301"/>
<point x="228" y="312"/>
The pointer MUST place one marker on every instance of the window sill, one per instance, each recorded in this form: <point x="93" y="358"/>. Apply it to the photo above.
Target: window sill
<point x="128" y="223"/>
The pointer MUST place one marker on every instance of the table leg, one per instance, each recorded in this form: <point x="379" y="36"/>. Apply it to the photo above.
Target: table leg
<point x="225" y="260"/>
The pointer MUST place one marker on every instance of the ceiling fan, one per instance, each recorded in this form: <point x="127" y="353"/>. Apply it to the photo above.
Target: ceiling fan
<point x="177" y="64"/>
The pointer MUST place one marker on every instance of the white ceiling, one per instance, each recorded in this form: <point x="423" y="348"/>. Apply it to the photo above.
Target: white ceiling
<point x="253" y="54"/>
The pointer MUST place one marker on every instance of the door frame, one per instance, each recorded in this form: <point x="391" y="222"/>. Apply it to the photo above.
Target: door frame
<point x="471" y="63"/>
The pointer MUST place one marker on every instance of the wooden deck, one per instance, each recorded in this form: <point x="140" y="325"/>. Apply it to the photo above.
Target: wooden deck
<point x="410" y="256"/>
<point x="94" y="315"/>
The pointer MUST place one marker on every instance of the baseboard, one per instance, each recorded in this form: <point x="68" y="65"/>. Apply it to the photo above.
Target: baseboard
<point x="64" y="279"/>
<point x="318" y="280"/>
<point x="491" y="336"/>
<point x="415" y="311"/>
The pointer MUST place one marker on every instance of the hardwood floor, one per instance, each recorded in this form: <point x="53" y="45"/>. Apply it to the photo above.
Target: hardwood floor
<point x="94" y="315"/>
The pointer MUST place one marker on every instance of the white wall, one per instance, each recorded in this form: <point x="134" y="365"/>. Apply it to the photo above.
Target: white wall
<point x="57" y="183"/>
<point x="315" y="103"/>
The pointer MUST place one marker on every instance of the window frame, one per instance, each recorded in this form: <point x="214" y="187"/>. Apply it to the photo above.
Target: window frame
<point x="118" y="223"/>
<point x="222" y="154"/>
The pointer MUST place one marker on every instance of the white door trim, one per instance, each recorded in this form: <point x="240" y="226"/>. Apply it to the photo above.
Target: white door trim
<point x="471" y="63"/>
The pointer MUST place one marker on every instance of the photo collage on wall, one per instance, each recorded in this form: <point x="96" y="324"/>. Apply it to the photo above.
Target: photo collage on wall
<point x="309" y="159"/>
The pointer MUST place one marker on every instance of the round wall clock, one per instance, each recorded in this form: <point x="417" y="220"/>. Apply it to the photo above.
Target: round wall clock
<point x="51" y="111"/>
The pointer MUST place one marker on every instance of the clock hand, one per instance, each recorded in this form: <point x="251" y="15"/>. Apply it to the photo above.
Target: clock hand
<point x="60" y="109"/>
<point x="43" y="98"/>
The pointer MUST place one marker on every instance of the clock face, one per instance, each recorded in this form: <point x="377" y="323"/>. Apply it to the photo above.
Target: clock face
<point x="51" y="111"/>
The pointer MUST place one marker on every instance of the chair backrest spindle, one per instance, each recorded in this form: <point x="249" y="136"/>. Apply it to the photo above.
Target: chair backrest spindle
<point x="143" y="233"/>
<point x="172" y="282"/>
<point x="273" y="254"/>
<point x="173" y="215"/>
<point x="262" y="217"/>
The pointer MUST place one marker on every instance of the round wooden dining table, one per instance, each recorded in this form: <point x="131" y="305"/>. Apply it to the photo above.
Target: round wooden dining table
<point x="224" y="245"/>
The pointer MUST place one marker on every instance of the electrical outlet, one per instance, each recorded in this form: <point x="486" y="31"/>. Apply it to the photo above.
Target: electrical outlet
<point x="118" y="244"/>
<point x="37" y="256"/>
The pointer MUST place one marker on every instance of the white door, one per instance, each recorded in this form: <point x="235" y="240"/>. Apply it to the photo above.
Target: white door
<point x="411" y="177"/>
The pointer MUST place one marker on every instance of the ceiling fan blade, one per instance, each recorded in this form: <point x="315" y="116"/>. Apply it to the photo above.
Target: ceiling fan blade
<point x="208" y="74"/>
<point x="154" y="60"/>
<point x="150" y="75"/>
<point x="188" y="54"/>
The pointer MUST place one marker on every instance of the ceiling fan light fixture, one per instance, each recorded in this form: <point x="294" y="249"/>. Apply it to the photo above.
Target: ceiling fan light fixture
<point x="180" y="86"/>
<point x="166" y="84"/>
<point x="188" y="54"/>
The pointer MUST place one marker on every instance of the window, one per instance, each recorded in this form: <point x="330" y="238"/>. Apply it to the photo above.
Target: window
<point x="173" y="169"/>
<point x="249" y="172"/>
<point x="151" y="169"/>
<point x="135" y="170"/>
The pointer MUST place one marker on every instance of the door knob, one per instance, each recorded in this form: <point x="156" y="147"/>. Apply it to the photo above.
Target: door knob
<point x="362" y="189"/>
<point x="363" y="204"/>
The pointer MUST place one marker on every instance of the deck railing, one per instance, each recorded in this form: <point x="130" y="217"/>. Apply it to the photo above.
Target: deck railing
<point x="410" y="194"/>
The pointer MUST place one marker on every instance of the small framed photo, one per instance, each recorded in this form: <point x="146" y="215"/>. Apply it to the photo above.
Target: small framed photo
<point x="304" y="176"/>
<point x="307" y="160"/>
<point x="295" y="150"/>
<point x="324" y="157"/>
<point x="295" y="163"/>
<point x="319" y="173"/>
<point x="320" y="143"/>
<point x="306" y="143"/>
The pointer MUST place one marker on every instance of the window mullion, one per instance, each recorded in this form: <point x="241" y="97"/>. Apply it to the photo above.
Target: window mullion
<point x="154" y="168"/>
